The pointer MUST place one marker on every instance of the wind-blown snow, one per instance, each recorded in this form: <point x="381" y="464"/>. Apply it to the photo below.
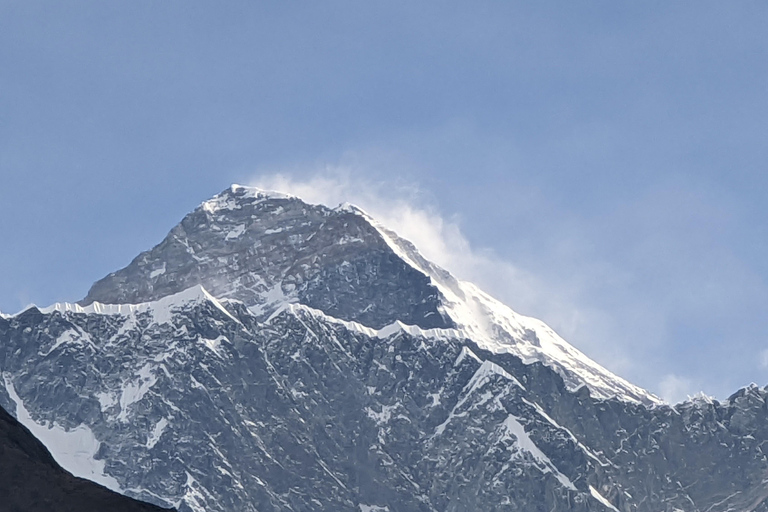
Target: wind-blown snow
<point x="497" y="328"/>
<point x="74" y="450"/>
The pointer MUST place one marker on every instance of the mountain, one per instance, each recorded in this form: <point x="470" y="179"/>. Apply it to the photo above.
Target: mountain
<point x="268" y="249"/>
<point x="31" y="481"/>
<point x="271" y="355"/>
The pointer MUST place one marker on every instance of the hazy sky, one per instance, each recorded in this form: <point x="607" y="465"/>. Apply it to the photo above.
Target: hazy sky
<point x="600" y="165"/>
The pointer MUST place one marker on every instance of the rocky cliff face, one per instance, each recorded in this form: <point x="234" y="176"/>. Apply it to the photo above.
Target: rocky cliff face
<point x="271" y="355"/>
<point x="257" y="247"/>
<point x="31" y="481"/>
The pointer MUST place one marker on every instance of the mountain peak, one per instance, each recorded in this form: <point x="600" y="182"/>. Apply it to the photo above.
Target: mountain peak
<point x="238" y="195"/>
<point x="266" y="248"/>
<point x="276" y="355"/>
<point x="253" y="245"/>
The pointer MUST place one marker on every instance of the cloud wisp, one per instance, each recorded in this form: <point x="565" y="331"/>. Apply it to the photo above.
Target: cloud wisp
<point x="648" y="289"/>
<point x="413" y="215"/>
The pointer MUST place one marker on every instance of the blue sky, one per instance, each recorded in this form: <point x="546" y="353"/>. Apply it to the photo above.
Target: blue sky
<point x="600" y="165"/>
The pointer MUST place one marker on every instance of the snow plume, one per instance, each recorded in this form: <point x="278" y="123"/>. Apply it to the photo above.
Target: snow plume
<point x="394" y="206"/>
<point x="675" y="388"/>
<point x="645" y="288"/>
<point x="412" y="214"/>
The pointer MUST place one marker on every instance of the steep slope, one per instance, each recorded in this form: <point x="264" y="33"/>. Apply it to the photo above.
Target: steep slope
<point x="266" y="248"/>
<point x="254" y="246"/>
<point x="274" y="367"/>
<point x="497" y="328"/>
<point x="31" y="481"/>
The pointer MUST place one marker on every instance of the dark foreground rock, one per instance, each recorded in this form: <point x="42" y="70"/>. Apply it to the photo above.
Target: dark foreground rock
<point x="31" y="481"/>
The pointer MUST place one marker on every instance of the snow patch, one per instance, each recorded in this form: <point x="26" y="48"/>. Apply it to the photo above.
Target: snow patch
<point x="157" y="431"/>
<point x="575" y="440"/>
<point x="463" y="354"/>
<point x="484" y="374"/>
<point x="599" y="497"/>
<point x="106" y="401"/>
<point x="272" y="300"/>
<point x="157" y="272"/>
<point x="196" y="383"/>
<point x="134" y="391"/>
<point x="381" y="417"/>
<point x="525" y="443"/>
<point x="68" y="336"/>
<point x="192" y="497"/>
<point x="75" y="450"/>
<point x="436" y="334"/>
<point x="235" y="232"/>
<point x="214" y="345"/>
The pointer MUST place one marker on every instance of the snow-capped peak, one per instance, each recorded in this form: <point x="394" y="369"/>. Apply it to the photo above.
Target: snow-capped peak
<point x="233" y="197"/>
<point x="266" y="248"/>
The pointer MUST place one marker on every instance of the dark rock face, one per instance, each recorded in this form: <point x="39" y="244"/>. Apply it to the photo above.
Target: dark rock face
<point x="243" y="245"/>
<point x="31" y="481"/>
<point x="264" y="395"/>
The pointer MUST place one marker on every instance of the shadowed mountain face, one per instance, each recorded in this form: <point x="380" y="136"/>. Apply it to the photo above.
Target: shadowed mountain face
<point x="31" y="481"/>
<point x="270" y="355"/>
<point x="256" y="247"/>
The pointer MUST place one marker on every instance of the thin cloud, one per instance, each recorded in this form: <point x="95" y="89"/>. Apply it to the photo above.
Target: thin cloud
<point x="763" y="359"/>
<point x="675" y="388"/>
